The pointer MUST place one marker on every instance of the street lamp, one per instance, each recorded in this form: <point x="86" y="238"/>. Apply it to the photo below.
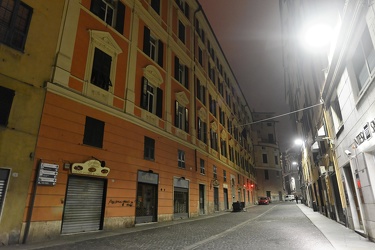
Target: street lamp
<point x="317" y="36"/>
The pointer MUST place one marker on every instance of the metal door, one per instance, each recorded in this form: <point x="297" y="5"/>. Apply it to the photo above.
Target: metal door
<point x="83" y="210"/>
<point x="216" y="199"/>
<point x="146" y="209"/>
<point x="201" y="199"/>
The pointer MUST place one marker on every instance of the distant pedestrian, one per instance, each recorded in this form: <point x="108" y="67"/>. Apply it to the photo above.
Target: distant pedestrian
<point x="297" y="199"/>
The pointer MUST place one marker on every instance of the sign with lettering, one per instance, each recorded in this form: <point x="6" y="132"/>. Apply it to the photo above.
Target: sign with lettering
<point x="147" y="177"/>
<point x="366" y="133"/>
<point x="91" y="167"/>
<point x="48" y="174"/>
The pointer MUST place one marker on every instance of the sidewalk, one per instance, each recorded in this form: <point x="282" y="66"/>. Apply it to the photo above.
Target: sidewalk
<point x="339" y="236"/>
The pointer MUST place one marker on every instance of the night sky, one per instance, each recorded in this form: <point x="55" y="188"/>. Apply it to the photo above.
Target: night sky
<point x="249" y="33"/>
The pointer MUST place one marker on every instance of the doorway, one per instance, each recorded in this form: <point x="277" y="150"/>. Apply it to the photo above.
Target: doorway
<point x="226" y="205"/>
<point x="216" y="199"/>
<point x="201" y="199"/>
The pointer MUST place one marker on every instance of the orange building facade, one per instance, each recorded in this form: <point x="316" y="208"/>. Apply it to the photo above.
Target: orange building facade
<point x="142" y="122"/>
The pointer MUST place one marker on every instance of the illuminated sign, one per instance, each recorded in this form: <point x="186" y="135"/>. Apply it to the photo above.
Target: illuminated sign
<point x="366" y="133"/>
<point x="91" y="167"/>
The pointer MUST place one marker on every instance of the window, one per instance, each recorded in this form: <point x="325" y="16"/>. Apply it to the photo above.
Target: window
<point x="181" y="159"/>
<point x="215" y="172"/>
<point x="276" y="160"/>
<point x="94" y="132"/>
<point x="181" y="73"/>
<point x="15" y="17"/>
<point x="270" y="138"/>
<point x="181" y="117"/>
<point x="266" y="175"/>
<point x="223" y="147"/>
<point x="364" y="59"/>
<point x="105" y="10"/>
<point x="181" y="31"/>
<point x="231" y="154"/>
<point x="184" y="7"/>
<point x="202" y="130"/>
<point x="153" y="47"/>
<point x="6" y="100"/>
<point x="149" y="148"/>
<point x="221" y="117"/>
<point x="199" y="29"/>
<point x="265" y="160"/>
<point x="213" y="137"/>
<point x="151" y="98"/>
<point x="101" y="70"/>
<point x="212" y="105"/>
<point x="202" y="167"/>
<point x="221" y="88"/>
<point x="225" y="175"/>
<point x="155" y="4"/>
<point x="211" y="73"/>
<point x="200" y="56"/>
<point x="201" y="92"/>
<point x="4" y="176"/>
<point x="336" y="115"/>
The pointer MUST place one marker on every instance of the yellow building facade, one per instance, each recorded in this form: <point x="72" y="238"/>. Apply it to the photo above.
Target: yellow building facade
<point x="27" y="51"/>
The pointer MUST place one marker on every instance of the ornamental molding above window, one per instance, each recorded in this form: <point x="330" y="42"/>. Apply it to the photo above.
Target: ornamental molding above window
<point x="214" y="126"/>
<point x="202" y="114"/>
<point x="104" y="41"/>
<point x="153" y="75"/>
<point x="182" y="99"/>
<point x="223" y="135"/>
<point x="231" y="142"/>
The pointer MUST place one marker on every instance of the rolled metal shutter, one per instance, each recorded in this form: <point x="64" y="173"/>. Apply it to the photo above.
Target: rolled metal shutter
<point x="83" y="205"/>
<point x="4" y="174"/>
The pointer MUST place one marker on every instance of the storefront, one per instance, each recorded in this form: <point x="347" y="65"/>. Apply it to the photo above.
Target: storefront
<point x="180" y="198"/>
<point x="147" y="197"/>
<point x="85" y="198"/>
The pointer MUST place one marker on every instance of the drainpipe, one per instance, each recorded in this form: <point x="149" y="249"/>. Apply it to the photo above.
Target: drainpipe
<point x="194" y="85"/>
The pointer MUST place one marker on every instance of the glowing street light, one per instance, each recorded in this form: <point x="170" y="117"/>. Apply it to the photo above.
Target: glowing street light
<point x="317" y="36"/>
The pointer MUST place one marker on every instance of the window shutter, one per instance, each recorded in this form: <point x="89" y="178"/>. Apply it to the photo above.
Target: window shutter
<point x="205" y="132"/>
<point x="6" y="100"/>
<point x="155" y="4"/>
<point x="186" y="120"/>
<point x="120" y="17"/>
<point x="159" y="102"/>
<point x="160" y="53"/>
<point x="176" y="66"/>
<point x="146" y="41"/>
<point x="186" y="77"/>
<point x="187" y="9"/>
<point x="144" y="93"/>
<point x="176" y="114"/>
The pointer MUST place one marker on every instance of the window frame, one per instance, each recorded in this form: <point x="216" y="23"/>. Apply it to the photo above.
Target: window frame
<point x="202" y="167"/>
<point x="181" y="158"/>
<point x="11" y="26"/>
<point x="118" y="13"/>
<point x="149" y="148"/>
<point x="181" y="117"/>
<point x="93" y="132"/>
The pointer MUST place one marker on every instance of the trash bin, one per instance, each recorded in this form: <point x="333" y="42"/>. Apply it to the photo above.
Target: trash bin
<point x="242" y="205"/>
<point x="237" y="207"/>
<point x="315" y="207"/>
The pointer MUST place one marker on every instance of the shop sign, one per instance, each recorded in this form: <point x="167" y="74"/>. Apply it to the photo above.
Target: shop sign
<point x="366" y="133"/>
<point x="48" y="174"/>
<point x="147" y="177"/>
<point x="91" y="167"/>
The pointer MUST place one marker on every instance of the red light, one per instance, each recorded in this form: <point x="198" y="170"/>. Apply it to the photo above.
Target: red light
<point x="252" y="185"/>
